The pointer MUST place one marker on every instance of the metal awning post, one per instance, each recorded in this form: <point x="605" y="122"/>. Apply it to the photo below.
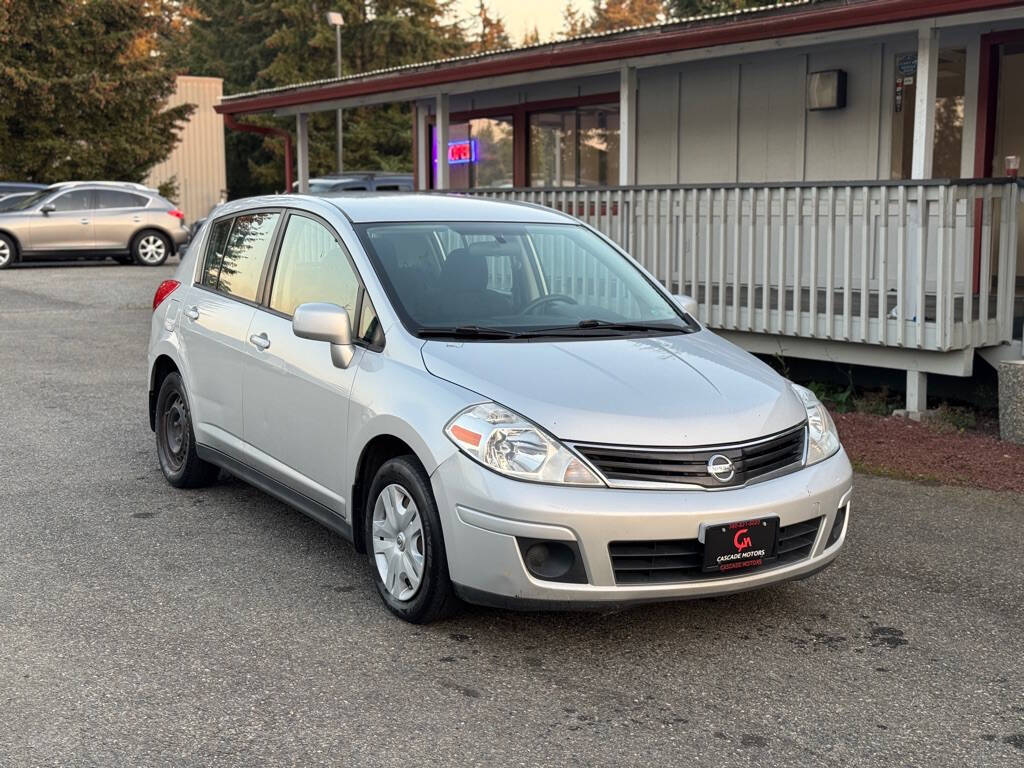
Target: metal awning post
<point x="302" y="151"/>
<point x="627" y="125"/>
<point x="422" y="147"/>
<point x="441" y="134"/>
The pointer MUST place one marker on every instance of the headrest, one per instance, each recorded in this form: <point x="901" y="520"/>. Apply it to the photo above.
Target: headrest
<point x="464" y="271"/>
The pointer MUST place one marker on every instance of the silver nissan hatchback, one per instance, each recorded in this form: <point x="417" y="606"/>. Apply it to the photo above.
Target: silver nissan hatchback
<point x="492" y="401"/>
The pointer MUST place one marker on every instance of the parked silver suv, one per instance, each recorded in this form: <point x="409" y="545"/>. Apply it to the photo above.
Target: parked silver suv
<point x="128" y="222"/>
<point x="492" y="401"/>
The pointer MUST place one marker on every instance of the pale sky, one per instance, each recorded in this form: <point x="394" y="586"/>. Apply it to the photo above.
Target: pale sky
<point x="521" y="15"/>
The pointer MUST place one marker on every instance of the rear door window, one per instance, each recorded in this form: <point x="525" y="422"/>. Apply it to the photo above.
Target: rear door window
<point x="112" y="198"/>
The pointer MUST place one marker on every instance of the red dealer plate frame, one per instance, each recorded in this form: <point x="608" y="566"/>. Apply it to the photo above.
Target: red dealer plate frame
<point x="740" y="546"/>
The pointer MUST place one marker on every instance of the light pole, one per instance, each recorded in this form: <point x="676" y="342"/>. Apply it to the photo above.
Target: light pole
<point x="336" y="20"/>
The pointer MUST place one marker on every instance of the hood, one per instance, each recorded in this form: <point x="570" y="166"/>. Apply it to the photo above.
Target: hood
<point x="686" y="390"/>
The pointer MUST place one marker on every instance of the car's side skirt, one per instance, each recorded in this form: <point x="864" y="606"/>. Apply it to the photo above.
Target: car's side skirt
<point x="323" y="515"/>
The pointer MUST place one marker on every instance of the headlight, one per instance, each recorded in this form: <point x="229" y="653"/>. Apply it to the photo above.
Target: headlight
<point x="822" y="438"/>
<point x="507" y="443"/>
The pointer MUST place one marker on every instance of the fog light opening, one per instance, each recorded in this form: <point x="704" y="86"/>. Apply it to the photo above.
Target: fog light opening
<point x="553" y="560"/>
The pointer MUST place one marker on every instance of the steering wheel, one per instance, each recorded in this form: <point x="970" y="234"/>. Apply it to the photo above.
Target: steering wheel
<point x="549" y="299"/>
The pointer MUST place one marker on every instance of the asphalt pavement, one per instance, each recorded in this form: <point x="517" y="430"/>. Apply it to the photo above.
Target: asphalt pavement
<point x="142" y="625"/>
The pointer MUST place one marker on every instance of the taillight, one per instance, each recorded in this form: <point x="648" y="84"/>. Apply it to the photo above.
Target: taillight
<point x="165" y="289"/>
<point x="176" y="214"/>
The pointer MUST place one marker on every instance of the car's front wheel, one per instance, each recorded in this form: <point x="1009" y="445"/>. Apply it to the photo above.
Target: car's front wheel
<point x="7" y="251"/>
<point x="405" y="545"/>
<point x="151" y="248"/>
<point x="176" y="440"/>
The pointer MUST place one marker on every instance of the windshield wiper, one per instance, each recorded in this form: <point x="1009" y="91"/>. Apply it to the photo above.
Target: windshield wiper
<point x="465" y="332"/>
<point x="607" y="325"/>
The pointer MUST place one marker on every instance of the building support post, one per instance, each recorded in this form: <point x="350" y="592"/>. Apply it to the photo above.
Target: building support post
<point x="917" y="392"/>
<point x="924" y="106"/>
<point x="627" y="126"/>
<point x="422" y="148"/>
<point x="302" y="151"/>
<point x="441" y="134"/>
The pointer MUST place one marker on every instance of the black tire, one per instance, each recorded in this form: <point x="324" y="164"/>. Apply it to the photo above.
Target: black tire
<point x="175" y="440"/>
<point x="8" y="251"/>
<point x="435" y="597"/>
<point x="151" y="248"/>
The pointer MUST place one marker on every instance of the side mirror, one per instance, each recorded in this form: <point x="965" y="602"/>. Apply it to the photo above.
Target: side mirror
<point x="686" y="303"/>
<point x="326" y="322"/>
<point x="48" y="209"/>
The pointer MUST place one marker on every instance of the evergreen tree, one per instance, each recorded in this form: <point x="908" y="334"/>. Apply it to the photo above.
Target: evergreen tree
<point x="574" y="21"/>
<point x="493" y="35"/>
<point x="532" y="36"/>
<point x="257" y="44"/>
<point x="610" y="15"/>
<point x="682" y="9"/>
<point x="84" y="85"/>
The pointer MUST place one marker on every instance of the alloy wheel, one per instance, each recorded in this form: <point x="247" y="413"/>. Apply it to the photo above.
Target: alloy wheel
<point x="5" y="253"/>
<point x="398" y="546"/>
<point x="152" y="249"/>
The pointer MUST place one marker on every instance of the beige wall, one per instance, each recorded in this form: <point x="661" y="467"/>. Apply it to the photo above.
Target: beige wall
<point x="198" y="160"/>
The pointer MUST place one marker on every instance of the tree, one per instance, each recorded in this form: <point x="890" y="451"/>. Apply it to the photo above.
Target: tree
<point x="574" y="21"/>
<point x="610" y="15"/>
<point x="256" y="44"/>
<point x="84" y="88"/>
<point x="532" y="36"/>
<point x="682" y="9"/>
<point x="493" y="36"/>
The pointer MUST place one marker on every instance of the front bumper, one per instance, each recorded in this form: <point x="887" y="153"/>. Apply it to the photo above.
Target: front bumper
<point x="482" y="514"/>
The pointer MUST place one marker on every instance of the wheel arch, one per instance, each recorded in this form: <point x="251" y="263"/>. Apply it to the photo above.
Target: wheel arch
<point x="16" y="241"/>
<point x="151" y="228"/>
<point x="162" y="367"/>
<point x="380" y="449"/>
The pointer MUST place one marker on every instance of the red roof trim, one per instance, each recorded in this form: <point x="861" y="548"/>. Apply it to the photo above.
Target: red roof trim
<point x="570" y="53"/>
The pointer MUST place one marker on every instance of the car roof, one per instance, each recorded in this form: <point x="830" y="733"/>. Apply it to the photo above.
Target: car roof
<point x="390" y="206"/>
<point x="123" y="185"/>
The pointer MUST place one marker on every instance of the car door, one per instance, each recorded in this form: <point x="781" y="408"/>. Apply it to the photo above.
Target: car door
<point x="296" y="400"/>
<point x="117" y="216"/>
<point x="64" y="223"/>
<point x="218" y="310"/>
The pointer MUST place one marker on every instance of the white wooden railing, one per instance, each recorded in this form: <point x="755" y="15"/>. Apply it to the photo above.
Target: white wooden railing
<point x="917" y="265"/>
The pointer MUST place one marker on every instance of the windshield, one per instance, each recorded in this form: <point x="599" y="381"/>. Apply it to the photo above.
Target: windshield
<point x="496" y="280"/>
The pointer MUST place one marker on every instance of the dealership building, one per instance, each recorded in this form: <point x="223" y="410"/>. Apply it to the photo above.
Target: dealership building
<point x="830" y="180"/>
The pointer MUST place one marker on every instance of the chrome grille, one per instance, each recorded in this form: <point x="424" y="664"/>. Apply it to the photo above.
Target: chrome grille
<point x="643" y="467"/>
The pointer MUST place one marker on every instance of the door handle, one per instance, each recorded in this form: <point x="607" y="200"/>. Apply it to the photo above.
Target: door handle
<point x="260" y="341"/>
<point x="192" y="313"/>
<point x="85" y="221"/>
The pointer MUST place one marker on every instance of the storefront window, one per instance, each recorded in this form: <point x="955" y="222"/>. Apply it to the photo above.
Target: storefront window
<point x="574" y="147"/>
<point x="479" y="153"/>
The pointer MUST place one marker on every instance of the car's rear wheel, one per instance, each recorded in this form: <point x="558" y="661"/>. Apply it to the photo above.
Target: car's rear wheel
<point x="175" y="439"/>
<point x="8" y="250"/>
<point x="151" y="248"/>
<point x="405" y="545"/>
